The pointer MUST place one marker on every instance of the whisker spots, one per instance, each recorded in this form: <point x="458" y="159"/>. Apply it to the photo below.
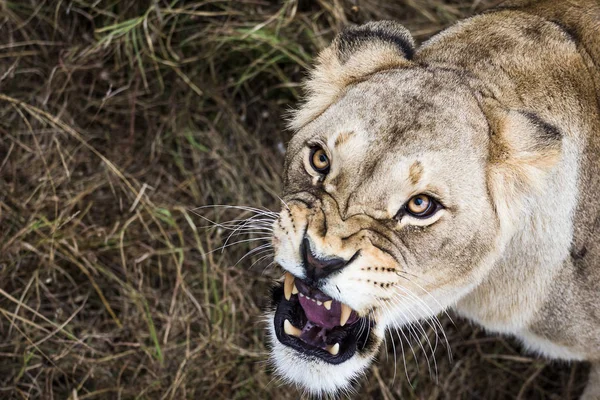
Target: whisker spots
<point x="292" y="220"/>
<point x="380" y="269"/>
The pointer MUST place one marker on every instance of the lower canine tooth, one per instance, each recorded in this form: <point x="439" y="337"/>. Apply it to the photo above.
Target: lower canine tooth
<point x="334" y="350"/>
<point x="288" y="285"/>
<point x="327" y="304"/>
<point x="291" y="330"/>
<point x="346" y="311"/>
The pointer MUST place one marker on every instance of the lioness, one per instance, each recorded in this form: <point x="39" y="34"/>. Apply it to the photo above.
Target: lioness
<point x="463" y="174"/>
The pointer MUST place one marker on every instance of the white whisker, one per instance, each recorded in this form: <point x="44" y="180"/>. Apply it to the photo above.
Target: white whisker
<point x="282" y="201"/>
<point x="236" y="230"/>
<point x="238" y="242"/>
<point x="259" y="249"/>
<point x="399" y="332"/>
<point x="430" y="312"/>
<point x="417" y="301"/>
<point x="427" y="292"/>
<point x="417" y="321"/>
<point x="261" y="258"/>
<point x="245" y="208"/>
<point x="268" y="265"/>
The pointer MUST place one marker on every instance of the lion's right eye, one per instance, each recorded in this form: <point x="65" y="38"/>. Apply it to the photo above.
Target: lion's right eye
<point x="319" y="160"/>
<point x="421" y="206"/>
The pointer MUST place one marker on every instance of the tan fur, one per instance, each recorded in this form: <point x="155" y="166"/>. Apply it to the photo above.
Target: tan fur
<point x="342" y="138"/>
<point x="415" y="172"/>
<point x="498" y="117"/>
<point x="332" y="74"/>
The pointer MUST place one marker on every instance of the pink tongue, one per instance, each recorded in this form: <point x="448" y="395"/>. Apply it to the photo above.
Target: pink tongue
<point x="321" y="316"/>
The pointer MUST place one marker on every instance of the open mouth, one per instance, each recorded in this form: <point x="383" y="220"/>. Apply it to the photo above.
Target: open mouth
<point x="316" y="325"/>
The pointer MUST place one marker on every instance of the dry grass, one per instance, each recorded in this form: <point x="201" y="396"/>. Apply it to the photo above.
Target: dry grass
<point x="119" y="117"/>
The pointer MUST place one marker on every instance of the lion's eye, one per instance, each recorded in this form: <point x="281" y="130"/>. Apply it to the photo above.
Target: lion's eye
<point x="319" y="160"/>
<point x="421" y="206"/>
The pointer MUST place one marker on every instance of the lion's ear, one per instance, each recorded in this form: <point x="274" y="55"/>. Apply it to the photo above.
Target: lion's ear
<point x="354" y="54"/>
<point x="524" y="149"/>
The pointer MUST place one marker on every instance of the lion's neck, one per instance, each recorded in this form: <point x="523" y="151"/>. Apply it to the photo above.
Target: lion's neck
<point x="513" y="295"/>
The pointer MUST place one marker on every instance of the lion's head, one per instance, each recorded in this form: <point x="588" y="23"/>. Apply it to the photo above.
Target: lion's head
<point x="399" y="187"/>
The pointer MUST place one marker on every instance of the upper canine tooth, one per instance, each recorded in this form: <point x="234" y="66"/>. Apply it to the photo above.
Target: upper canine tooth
<point x="319" y="303"/>
<point x="294" y="288"/>
<point x="327" y="304"/>
<point x="346" y="311"/>
<point x="288" y="285"/>
<point x="291" y="329"/>
<point x="334" y="350"/>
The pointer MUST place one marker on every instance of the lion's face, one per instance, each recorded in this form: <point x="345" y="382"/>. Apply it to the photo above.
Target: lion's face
<point x="387" y="219"/>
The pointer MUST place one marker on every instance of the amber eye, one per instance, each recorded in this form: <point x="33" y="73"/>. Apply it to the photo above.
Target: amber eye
<point x="319" y="160"/>
<point x="421" y="206"/>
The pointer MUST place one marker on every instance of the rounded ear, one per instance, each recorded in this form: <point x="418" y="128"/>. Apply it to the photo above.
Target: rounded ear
<point x="524" y="149"/>
<point x="354" y="54"/>
<point x="390" y="41"/>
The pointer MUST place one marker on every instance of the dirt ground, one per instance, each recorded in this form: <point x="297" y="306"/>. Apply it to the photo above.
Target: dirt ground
<point x="117" y="120"/>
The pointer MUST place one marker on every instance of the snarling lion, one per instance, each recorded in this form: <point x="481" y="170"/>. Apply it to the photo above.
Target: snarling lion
<point x="462" y="174"/>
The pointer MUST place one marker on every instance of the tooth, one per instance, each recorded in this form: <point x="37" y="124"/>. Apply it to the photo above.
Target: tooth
<point x="346" y="311"/>
<point x="291" y="330"/>
<point x="301" y="295"/>
<point x="287" y="285"/>
<point x="334" y="350"/>
<point x="327" y="304"/>
<point x="319" y="303"/>
<point x="313" y="300"/>
<point x="294" y="289"/>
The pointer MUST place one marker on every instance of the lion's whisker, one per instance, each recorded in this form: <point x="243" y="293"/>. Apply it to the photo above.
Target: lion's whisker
<point x="282" y="201"/>
<point x="264" y="224"/>
<point x="413" y="332"/>
<point x="422" y="305"/>
<point x="229" y="225"/>
<point x="268" y="265"/>
<point x="436" y="323"/>
<point x="259" y="249"/>
<point x="426" y="305"/>
<point x="238" y="207"/>
<point x="434" y="316"/>
<point x="399" y="333"/>
<point x="236" y="230"/>
<point x="270" y="254"/>
<point x="238" y="242"/>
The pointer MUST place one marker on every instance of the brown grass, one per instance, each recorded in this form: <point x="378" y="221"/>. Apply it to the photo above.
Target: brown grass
<point x="119" y="117"/>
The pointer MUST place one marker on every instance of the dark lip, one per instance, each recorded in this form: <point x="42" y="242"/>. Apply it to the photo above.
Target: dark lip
<point x="310" y="291"/>
<point x="351" y="337"/>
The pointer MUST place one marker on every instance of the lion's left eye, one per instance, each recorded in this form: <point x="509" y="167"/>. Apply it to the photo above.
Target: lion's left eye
<point x="319" y="160"/>
<point x="421" y="206"/>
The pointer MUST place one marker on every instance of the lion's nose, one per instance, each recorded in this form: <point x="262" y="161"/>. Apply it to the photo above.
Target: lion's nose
<point x="318" y="268"/>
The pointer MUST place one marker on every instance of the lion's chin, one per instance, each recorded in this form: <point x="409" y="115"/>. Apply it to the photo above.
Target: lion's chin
<point x="314" y="375"/>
